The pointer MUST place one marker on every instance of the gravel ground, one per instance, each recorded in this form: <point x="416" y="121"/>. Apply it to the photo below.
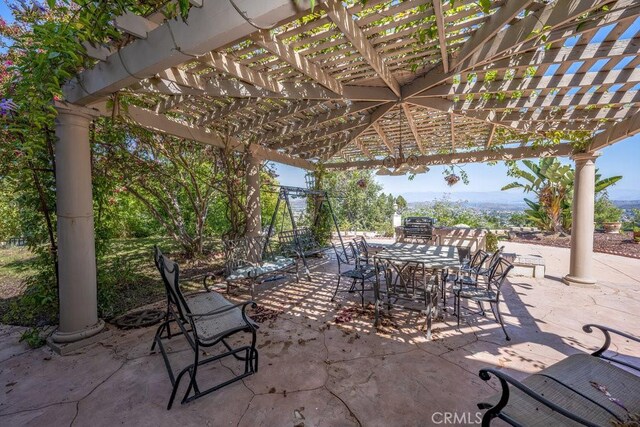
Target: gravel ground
<point x="617" y="244"/>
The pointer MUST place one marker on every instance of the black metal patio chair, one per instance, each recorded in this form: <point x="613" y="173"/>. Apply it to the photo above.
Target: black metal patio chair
<point x="206" y="320"/>
<point x="483" y="270"/>
<point x="363" y="248"/>
<point x="490" y="294"/>
<point x="467" y="269"/>
<point x="359" y="274"/>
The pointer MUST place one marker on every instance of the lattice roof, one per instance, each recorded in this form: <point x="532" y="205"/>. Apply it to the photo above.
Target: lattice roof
<point x="347" y="84"/>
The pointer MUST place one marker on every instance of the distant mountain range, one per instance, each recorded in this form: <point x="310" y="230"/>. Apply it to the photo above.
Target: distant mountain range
<point x="621" y="196"/>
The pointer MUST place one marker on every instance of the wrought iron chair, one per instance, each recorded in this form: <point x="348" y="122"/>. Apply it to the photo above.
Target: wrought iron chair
<point x="413" y="288"/>
<point x="490" y="294"/>
<point x="363" y="248"/>
<point x="249" y="260"/>
<point x="360" y="273"/>
<point x="482" y="271"/>
<point x="467" y="269"/>
<point x="206" y="320"/>
<point x="367" y="251"/>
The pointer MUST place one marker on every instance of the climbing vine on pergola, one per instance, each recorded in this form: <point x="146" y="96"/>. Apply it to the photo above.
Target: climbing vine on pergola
<point x="348" y="84"/>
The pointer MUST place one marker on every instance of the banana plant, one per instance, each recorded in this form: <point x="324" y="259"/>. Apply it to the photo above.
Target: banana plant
<point x="552" y="183"/>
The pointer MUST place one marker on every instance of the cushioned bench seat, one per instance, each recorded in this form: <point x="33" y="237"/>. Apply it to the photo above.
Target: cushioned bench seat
<point x="255" y="271"/>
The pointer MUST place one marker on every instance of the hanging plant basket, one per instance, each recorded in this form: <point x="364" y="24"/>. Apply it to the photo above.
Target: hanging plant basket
<point x="452" y="179"/>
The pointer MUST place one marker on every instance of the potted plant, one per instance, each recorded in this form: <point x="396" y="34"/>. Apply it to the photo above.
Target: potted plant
<point x="608" y="214"/>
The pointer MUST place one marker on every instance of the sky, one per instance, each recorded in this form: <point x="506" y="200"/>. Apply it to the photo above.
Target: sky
<point x="622" y="158"/>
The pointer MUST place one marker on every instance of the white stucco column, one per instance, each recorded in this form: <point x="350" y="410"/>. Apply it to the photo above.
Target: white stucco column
<point x="581" y="262"/>
<point x="254" y="218"/>
<point x="76" y="245"/>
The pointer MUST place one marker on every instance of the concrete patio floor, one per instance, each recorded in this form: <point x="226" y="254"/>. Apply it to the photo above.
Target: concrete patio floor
<point x="316" y="372"/>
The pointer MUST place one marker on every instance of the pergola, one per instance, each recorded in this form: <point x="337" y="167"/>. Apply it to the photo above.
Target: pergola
<point x="346" y="85"/>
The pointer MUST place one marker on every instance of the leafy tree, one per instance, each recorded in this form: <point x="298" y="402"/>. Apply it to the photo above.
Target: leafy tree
<point x="552" y="183"/>
<point x="358" y="200"/>
<point x="402" y="204"/>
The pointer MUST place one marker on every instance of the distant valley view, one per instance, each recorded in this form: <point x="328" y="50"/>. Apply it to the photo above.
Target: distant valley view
<point x="503" y="204"/>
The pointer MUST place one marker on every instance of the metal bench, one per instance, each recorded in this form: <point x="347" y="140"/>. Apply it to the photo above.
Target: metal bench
<point x="250" y="260"/>
<point x="583" y="389"/>
<point x="301" y="243"/>
<point x="206" y="320"/>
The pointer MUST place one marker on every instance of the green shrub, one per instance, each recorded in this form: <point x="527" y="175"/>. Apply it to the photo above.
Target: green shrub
<point x="33" y="337"/>
<point x="606" y="211"/>
<point x="491" y="240"/>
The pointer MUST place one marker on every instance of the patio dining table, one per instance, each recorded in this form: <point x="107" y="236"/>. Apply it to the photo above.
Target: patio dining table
<point x="398" y="258"/>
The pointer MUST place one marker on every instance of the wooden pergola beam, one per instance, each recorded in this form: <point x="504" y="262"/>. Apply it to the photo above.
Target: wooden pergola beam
<point x="517" y="153"/>
<point x="624" y="129"/>
<point x="220" y="112"/>
<point x="412" y="126"/>
<point x="442" y="36"/>
<point x="160" y="123"/>
<point x="349" y="27"/>
<point x="489" y="29"/>
<point x="383" y="137"/>
<point x="453" y="134"/>
<point x="551" y="101"/>
<point x="283" y="113"/>
<point x="302" y="143"/>
<point x="215" y="25"/>
<point x="312" y="122"/>
<point x="490" y="139"/>
<point x="336" y="144"/>
<point x="172" y="102"/>
<point x="225" y="63"/>
<point x="376" y="115"/>
<point x="363" y="148"/>
<point x="307" y="67"/>
<point x="588" y="79"/>
<point x="544" y="20"/>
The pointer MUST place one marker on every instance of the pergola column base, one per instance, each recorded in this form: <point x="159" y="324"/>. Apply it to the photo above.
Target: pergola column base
<point x="64" y="343"/>
<point x="579" y="282"/>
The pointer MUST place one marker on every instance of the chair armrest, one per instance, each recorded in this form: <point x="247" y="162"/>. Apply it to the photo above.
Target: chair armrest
<point x="204" y="280"/>
<point x="607" y="342"/>
<point x="505" y="381"/>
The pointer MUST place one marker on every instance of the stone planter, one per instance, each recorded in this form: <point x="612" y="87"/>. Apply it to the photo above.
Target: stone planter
<point x="612" y="227"/>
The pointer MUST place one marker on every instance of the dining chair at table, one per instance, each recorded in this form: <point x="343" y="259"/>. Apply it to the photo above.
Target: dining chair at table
<point x="414" y="285"/>
<point x="490" y="294"/>
<point x="467" y="269"/>
<point x="482" y="271"/>
<point x="360" y="273"/>
<point x="362" y="247"/>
